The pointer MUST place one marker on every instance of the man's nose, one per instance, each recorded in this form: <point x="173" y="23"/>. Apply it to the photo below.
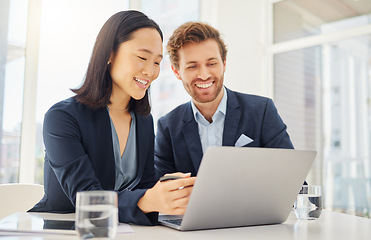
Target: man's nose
<point x="203" y="73"/>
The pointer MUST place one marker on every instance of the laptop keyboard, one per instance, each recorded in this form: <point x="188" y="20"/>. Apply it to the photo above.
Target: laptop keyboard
<point x="174" y="221"/>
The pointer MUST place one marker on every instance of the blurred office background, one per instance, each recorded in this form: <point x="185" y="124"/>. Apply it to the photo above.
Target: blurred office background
<point x="311" y="56"/>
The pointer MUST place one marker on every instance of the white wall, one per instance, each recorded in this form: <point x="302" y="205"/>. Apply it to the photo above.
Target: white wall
<point x="241" y="23"/>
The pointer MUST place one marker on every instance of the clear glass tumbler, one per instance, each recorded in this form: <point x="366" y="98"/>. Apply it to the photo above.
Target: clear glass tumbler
<point x="308" y="204"/>
<point x="96" y="214"/>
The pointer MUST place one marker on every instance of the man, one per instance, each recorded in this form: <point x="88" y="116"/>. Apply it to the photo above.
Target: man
<point x="216" y="116"/>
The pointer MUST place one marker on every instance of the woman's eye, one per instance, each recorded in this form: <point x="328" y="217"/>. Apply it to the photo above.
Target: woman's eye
<point x="142" y="58"/>
<point x="157" y="63"/>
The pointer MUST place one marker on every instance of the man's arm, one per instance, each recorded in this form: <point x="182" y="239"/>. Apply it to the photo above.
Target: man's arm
<point x="274" y="134"/>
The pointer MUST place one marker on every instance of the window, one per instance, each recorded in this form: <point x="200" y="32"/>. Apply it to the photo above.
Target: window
<point x="13" y="31"/>
<point x="322" y="88"/>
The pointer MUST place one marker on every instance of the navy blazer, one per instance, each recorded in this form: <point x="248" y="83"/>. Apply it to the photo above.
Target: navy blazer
<point x="79" y="157"/>
<point x="178" y="146"/>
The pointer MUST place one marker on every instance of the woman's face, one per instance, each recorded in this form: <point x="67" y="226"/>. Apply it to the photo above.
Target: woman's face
<point x="136" y="64"/>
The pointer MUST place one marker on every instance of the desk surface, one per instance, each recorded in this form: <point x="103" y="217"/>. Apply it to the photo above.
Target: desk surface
<point x="330" y="225"/>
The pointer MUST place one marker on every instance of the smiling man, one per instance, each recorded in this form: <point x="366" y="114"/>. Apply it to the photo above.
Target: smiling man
<point x="216" y="116"/>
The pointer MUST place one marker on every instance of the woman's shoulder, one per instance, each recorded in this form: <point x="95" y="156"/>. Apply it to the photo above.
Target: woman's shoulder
<point x="60" y="109"/>
<point x="66" y="103"/>
<point x="71" y="111"/>
<point x="70" y="105"/>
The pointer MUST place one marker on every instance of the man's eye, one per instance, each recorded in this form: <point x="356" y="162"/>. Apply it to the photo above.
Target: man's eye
<point x="157" y="63"/>
<point x="192" y="66"/>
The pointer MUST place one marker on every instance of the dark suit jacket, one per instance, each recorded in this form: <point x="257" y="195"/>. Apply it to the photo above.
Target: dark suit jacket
<point x="79" y="157"/>
<point x="178" y="145"/>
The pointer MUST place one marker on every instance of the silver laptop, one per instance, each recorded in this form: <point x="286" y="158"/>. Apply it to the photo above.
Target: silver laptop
<point x="242" y="187"/>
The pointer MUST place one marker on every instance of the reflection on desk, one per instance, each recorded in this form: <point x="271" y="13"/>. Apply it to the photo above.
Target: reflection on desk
<point x="330" y="225"/>
<point x="46" y="223"/>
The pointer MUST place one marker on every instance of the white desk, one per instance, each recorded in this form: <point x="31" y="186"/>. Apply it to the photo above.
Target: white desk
<point x="331" y="225"/>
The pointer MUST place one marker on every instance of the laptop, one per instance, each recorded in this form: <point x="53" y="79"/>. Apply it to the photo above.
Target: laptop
<point x="242" y="187"/>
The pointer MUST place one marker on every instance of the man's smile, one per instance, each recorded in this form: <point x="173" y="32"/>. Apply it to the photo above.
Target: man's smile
<point x="204" y="85"/>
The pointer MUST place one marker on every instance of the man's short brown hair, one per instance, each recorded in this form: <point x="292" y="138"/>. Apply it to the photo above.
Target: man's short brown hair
<point x="193" y="32"/>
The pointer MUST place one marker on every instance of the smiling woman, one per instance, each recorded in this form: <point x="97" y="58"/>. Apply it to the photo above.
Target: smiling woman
<point x="103" y="137"/>
<point x="74" y="128"/>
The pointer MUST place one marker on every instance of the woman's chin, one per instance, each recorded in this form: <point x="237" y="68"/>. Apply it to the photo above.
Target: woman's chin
<point x="138" y="96"/>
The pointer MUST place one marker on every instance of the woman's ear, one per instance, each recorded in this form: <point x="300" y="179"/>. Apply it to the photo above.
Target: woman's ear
<point x="111" y="57"/>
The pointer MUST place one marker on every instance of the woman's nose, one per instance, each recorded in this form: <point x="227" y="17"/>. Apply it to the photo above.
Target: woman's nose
<point x="148" y="69"/>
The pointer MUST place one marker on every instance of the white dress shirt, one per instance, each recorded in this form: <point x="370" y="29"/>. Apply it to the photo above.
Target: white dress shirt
<point x="211" y="134"/>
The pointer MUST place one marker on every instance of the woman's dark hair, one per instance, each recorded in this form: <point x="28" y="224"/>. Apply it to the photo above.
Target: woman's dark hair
<point x="96" y="89"/>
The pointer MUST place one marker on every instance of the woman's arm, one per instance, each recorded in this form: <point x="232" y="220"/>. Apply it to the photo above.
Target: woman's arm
<point x="67" y="156"/>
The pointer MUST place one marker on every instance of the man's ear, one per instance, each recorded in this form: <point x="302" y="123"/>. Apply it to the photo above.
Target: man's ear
<point x="176" y="72"/>
<point x="224" y="65"/>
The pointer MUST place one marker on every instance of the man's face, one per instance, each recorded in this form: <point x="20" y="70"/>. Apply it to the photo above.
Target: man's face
<point x="201" y="70"/>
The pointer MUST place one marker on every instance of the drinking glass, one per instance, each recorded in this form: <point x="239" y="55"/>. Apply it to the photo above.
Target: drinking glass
<point x="96" y="214"/>
<point x="308" y="204"/>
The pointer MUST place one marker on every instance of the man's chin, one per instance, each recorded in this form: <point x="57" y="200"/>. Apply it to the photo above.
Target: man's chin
<point x="203" y="99"/>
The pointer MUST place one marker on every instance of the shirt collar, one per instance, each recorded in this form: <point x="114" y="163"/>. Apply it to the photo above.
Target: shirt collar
<point x="221" y="108"/>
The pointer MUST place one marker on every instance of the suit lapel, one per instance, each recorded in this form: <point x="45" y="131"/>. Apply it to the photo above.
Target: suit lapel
<point x="232" y="120"/>
<point x="103" y="159"/>
<point x="142" y="144"/>
<point x="192" y="137"/>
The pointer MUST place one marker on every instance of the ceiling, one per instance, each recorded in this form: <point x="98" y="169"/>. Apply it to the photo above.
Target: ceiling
<point x="331" y="10"/>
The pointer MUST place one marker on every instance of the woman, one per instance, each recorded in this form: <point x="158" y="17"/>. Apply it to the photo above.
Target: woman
<point x="102" y="138"/>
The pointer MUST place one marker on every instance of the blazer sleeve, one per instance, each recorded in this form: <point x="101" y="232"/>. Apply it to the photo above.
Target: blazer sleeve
<point x="164" y="157"/>
<point x="129" y="212"/>
<point x="74" y="171"/>
<point x="66" y="154"/>
<point x="274" y="134"/>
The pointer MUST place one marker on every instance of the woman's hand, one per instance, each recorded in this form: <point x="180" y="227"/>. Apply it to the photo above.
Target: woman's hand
<point x="168" y="197"/>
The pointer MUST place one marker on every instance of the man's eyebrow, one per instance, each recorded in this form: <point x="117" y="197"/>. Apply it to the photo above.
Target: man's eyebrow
<point x="191" y="62"/>
<point x="148" y="51"/>
<point x="209" y="59"/>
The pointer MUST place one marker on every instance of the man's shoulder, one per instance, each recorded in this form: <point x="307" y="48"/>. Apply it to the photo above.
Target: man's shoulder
<point x="246" y="98"/>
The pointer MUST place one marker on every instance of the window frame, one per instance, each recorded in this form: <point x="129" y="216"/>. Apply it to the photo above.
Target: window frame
<point x="28" y="132"/>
